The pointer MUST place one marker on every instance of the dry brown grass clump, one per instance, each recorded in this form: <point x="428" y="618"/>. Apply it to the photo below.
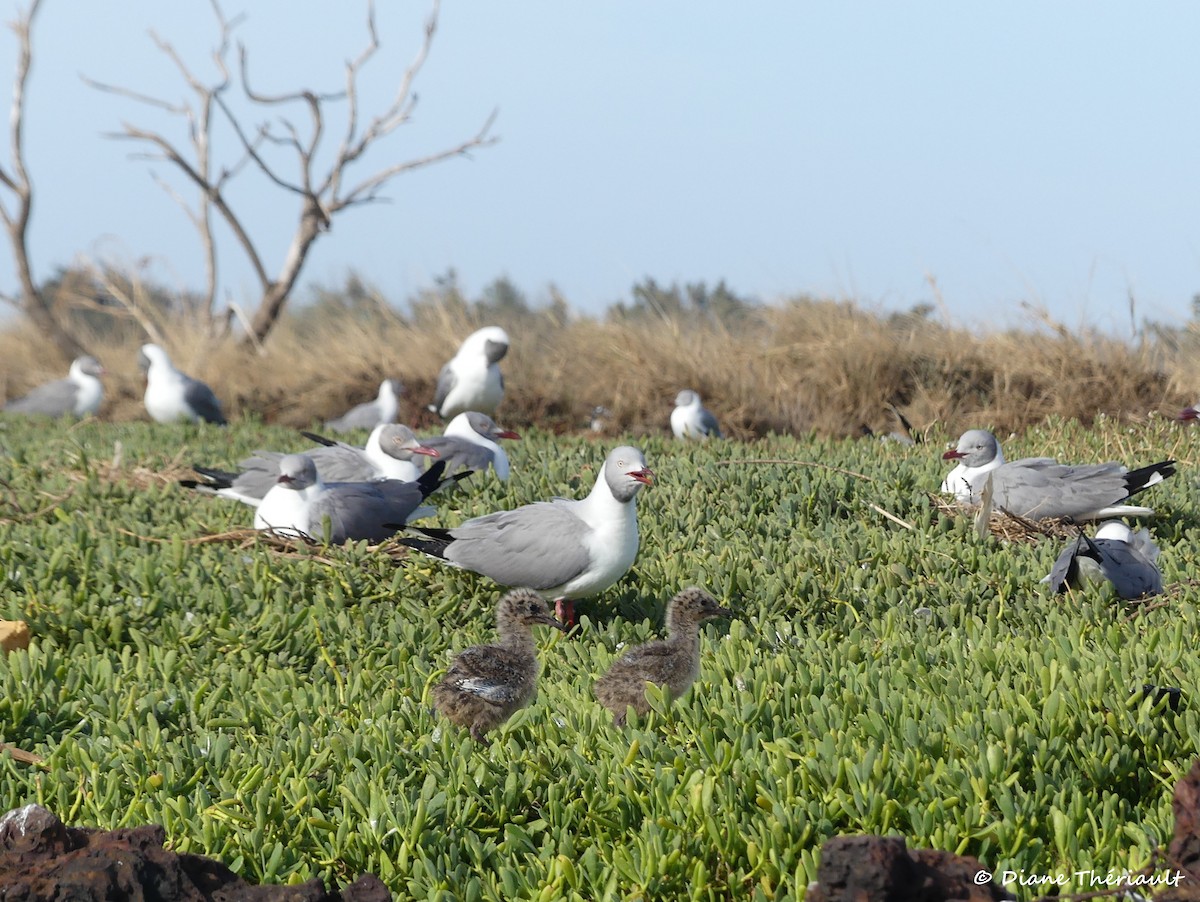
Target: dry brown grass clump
<point x="800" y="366"/>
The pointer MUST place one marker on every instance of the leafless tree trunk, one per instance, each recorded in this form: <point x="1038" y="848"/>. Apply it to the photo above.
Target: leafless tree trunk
<point x="15" y="178"/>
<point x="322" y="194"/>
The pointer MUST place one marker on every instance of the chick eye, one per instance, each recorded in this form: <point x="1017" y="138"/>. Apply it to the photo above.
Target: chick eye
<point x="533" y="609"/>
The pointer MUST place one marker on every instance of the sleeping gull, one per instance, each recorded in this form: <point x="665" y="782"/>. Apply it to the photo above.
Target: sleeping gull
<point x="388" y="455"/>
<point x="1125" y="558"/>
<point x="378" y="412"/>
<point x="172" y="396"/>
<point x="487" y="684"/>
<point x="469" y="443"/>
<point x="78" y="395"/>
<point x="562" y="549"/>
<point x="1038" y="487"/>
<point x="691" y="419"/>
<point x="672" y="663"/>
<point x="471" y="380"/>
<point x="300" y="503"/>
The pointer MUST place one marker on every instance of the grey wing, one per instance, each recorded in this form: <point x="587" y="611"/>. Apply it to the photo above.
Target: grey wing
<point x="459" y="454"/>
<point x="1045" y="490"/>
<point x="343" y="463"/>
<point x="447" y="379"/>
<point x="372" y="511"/>
<point x="537" y="546"/>
<point x="708" y="423"/>
<point x="362" y="416"/>
<point x="1065" y="572"/>
<point x="1131" y="574"/>
<point x="200" y="398"/>
<point x="53" y="399"/>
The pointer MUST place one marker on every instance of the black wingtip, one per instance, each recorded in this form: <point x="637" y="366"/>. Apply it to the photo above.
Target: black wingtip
<point x="319" y="439"/>
<point x="430" y="540"/>
<point x="209" y="478"/>
<point x="1145" y="477"/>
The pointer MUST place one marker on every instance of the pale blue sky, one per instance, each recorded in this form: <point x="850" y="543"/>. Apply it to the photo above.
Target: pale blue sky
<point x="1031" y="151"/>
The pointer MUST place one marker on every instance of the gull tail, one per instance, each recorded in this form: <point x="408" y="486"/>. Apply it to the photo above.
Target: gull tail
<point x="1144" y="477"/>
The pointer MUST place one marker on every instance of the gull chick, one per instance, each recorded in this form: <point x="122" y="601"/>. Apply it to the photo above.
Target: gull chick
<point x="487" y="684"/>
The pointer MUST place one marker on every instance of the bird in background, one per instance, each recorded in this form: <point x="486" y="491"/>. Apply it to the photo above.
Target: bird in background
<point x="471" y="442"/>
<point x="1126" y="558"/>
<point x="172" y="396"/>
<point x="382" y="410"/>
<point x="1038" y="487"/>
<point x="691" y="419"/>
<point x="487" y="684"/>
<point x="301" y="505"/>
<point x="564" y="548"/>
<point x="471" y="380"/>
<point x="672" y="663"/>
<point x="79" y="394"/>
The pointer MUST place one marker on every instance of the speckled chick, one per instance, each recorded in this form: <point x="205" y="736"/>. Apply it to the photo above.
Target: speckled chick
<point x="487" y="684"/>
<point x="673" y="663"/>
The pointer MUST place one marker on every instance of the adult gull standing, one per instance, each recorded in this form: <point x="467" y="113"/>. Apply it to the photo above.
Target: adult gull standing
<point x="172" y="396"/>
<point x="78" y="395"/>
<point x="471" y="379"/>
<point x="384" y="409"/>
<point x="564" y="548"/>
<point x="1037" y="487"/>
<point x="691" y="419"/>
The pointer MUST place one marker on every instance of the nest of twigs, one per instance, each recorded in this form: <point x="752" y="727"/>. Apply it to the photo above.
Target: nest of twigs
<point x="1005" y="526"/>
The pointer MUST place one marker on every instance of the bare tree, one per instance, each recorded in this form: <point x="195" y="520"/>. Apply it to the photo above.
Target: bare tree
<point x="16" y="204"/>
<point x="322" y="193"/>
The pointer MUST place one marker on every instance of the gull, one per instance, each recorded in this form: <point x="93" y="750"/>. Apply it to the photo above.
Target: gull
<point x="690" y="419"/>
<point x="172" y="396"/>
<point x="471" y="380"/>
<point x="487" y="684"/>
<point x="672" y="663"/>
<point x="563" y="548"/>
<point x="381" y="411"/>
<point x="1038" y="487"/>
<point x="302" y="505"/>
<point x="470" y="443"/>
<point x="78" y="395"/>
<point x="1127" y="559"/>
<point x="388" y="455"/>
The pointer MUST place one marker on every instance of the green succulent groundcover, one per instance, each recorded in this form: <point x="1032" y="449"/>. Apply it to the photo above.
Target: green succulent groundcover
<point x="271" y="708"/>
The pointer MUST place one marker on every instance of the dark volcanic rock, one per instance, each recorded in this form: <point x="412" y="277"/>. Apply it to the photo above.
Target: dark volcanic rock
<point x="882" y="869"/>
<point x="41" y="858"/>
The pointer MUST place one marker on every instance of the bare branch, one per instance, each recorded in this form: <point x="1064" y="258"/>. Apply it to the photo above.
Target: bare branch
<point x="157" y="102"/>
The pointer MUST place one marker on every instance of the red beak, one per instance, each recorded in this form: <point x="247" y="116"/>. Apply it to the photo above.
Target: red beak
<point x="953" y="454"/>
<point x="645" y="477"/>
<point x="422" y="449"/>
<point x="507" y="433"/>
<point x="1188" y="414"/>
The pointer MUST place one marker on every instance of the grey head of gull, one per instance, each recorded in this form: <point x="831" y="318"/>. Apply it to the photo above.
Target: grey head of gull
<point x="384" y="409"/>
<point x="471" y="442"/>
<point x="79" y="394"/>
<point x="471" y="380"/>
<point x="691" y="419"/>
<point x="1039" y="487"/>
<point x="388" y="455"/>
<point x="672" y="663"/>
<point x="302" y="505"/>
<point x="1123" y="557"/>
<point x="563" y="548"/>
<point x="172" y="396"/>
<point x="487" y="684"/>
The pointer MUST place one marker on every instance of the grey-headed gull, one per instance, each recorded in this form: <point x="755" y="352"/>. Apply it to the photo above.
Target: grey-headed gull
<point x="1037" y="487"/>
<point x="1127" y="559"/>
<point x="302" y="505"/>
<point x="691" y="419"/>
<point x="388" y="455"/>
<point x="78" y="395"/>
<point x="470" y="442"/>
<point x="471" y="379"/>
<point x="487" y="684"/>
<point x="172" y="396"/>
<point x="381" y="411"/>
<point x="563" y="548"/>
<point x="672" y="663"/>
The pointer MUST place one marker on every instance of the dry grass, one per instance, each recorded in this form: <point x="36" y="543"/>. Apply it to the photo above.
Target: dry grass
<point x="803" y="366"/>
